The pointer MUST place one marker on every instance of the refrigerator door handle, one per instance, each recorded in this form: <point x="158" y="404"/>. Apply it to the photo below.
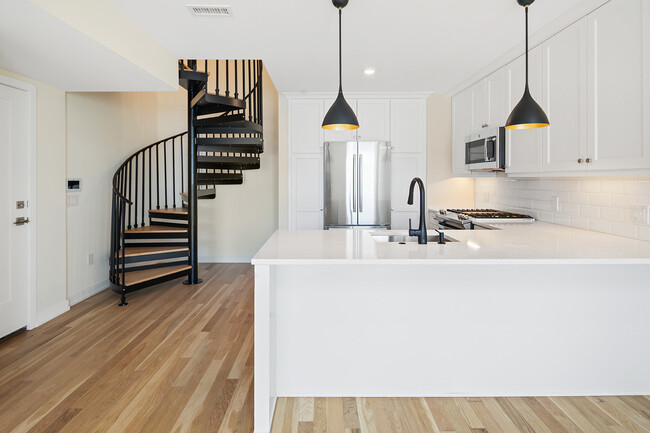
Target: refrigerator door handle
<point x="360" y="183"/>
<point x="354" y="177"/>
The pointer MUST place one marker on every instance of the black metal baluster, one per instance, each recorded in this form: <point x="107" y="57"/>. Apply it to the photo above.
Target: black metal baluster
<point x="123" y="279"/>
<point x="250" y="93"/>
<point x="150" y="207"/>
<point x="165" y="164"/>
<point x="128" y="182"/>
<point x="143" y="185"/>
<point x="174" y="171"/>
<point x="135" y="185"/>
<point x="236" y="85"/>
<point x="227" y="77"/>
<point x="259" y="94"/>
<point x="182" y="175"/>
<point x="158" y="176"/>
<point x="217" y="77"/>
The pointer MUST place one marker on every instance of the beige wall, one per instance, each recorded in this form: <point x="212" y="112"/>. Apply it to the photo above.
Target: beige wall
<point x="103" y="130"/>
<point x="443" y="191"/>
<point x="235" y="225"/>
<point x="50" y="219"/>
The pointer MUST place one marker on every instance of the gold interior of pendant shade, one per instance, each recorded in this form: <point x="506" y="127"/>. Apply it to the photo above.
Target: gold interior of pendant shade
<point x="340" y="127"/>
<point x="528" y="126"/>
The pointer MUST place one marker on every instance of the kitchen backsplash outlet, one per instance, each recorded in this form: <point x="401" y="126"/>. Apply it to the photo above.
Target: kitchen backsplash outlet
<point x="600" y="204"/>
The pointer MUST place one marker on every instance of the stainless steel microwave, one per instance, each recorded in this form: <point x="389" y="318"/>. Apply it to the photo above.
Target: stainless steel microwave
<point x="486" y="150"/>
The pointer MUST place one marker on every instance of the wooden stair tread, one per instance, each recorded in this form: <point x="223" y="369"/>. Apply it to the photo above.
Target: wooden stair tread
<point x="137" y="277"/>
<point x="171" y="210"/>
<point x="156" y="229"/>
<point x="143" y="251"/>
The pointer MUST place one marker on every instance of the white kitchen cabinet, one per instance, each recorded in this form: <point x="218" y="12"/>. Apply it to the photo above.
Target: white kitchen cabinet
<point x="616" y="79"/>
<point x="305" y="134"/>
<point x="461" y="127"/>
<point x="565" y="143"/>
<point x="479" y="107"/>
<point x="307" y="192"/>
<point x="408" y="125"/>
<point x="348" y="135"/>
<point x="497" y="99"/>
<point x="524" y="146"/>
<point x="374" y="119"/>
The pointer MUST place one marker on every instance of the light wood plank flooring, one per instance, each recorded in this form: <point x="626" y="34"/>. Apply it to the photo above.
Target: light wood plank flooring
<point x="176" y="359"/>
<point x="180" y="359"/>
<point x="463" y="415"/>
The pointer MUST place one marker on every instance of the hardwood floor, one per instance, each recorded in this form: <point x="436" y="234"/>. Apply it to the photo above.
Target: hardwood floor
<point x="176" y="359"/>
<point x="463" y="415"/>
<point x="180" y="359"/>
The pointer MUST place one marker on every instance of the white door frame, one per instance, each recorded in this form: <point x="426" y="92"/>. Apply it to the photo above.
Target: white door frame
<point x="31" y="281"/>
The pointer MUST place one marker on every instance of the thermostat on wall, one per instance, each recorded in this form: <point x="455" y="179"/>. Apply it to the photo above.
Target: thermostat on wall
<point x="74" y="185"/>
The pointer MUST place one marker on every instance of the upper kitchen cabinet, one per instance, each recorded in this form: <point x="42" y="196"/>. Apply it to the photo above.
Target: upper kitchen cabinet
<point x="305" y="127"/>
<point x="347" y="135"/>
<point x="374" y="119"/>
<point x="479" y="107"/>
<point x="408" y="125"/>
<point x="524" y="146"/>
<point x="461" y="127"/>
<point x="497" y="98"/>
<point x="617" y="78"/>
<point x="565" y="100"/>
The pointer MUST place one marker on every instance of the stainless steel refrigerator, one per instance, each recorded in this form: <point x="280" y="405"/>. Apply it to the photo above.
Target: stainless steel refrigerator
<point x="356" y="184"/>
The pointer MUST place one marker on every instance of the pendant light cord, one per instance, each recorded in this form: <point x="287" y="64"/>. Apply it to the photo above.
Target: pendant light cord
<point x="340" y="55"/>
<point x="526" y="47"/>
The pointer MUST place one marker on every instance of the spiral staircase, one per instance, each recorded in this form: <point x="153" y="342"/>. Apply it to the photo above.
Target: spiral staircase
<point x="154" y="219"/>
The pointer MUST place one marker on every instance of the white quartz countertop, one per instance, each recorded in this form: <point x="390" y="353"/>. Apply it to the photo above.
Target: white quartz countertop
<point x="538" y="243"/>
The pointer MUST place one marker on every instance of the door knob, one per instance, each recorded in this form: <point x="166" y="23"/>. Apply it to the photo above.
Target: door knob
<point x="21" y="221"/>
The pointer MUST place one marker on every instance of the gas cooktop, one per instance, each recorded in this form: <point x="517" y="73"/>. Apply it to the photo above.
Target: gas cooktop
<point x="467" y="218"/>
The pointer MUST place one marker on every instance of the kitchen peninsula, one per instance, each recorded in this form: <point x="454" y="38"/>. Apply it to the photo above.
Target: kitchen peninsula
<point x="534" y="309"/>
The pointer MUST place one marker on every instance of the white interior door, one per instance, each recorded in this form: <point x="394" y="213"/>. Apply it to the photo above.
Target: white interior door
<point x="15" y="181"/>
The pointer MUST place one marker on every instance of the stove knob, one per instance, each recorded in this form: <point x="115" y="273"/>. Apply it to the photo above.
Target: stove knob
<point x="443" y="212"/>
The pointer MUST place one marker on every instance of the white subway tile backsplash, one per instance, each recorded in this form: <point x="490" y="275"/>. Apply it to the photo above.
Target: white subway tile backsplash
<point x="600" y="199"/>
<point x="598" y="204"/>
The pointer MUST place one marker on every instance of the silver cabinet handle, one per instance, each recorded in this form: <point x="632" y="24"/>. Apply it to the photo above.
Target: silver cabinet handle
<point x="588" y="160"/>
<point x="579" y="160"/>
<point x="21" y="221"/>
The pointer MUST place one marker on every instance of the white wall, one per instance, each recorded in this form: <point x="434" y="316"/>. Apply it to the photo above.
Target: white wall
<point x="599" y="204"/>
<point x="50" y="217"/>
<point x="443" y="191"/>
<point x="103" y="130"/>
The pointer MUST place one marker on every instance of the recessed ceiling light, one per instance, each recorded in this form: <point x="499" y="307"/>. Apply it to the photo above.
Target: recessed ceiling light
<point x="369" y="71"/>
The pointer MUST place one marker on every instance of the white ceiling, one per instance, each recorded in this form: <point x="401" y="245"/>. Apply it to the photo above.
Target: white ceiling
<point x="37" y="45"/>
<point x="415" y="45"/>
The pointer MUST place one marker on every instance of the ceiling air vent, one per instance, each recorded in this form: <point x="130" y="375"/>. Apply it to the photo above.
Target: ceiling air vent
<point x="210" y="11"/>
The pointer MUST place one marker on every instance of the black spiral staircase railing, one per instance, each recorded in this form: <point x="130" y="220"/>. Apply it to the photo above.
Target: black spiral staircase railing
<point x="154" y="217"/>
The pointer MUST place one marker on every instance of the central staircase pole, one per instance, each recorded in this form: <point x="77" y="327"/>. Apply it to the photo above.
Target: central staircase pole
<point x="192" y="197"/>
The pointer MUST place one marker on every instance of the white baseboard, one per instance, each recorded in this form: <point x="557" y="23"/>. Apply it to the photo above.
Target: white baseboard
<point x="50" y="313"/>
<point x="86" y="293"/>
<point x="225" y="259"/>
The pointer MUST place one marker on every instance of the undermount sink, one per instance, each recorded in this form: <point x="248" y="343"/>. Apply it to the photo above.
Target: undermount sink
<point x="432" y="239"/>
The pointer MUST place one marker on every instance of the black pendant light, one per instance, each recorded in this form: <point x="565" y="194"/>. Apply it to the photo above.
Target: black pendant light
<point x="340" y="116"/>
<point x="527" y="114"/>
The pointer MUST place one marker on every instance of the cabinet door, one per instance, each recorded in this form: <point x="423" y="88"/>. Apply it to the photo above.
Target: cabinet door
<point x="524" y="146"/>
<point x="479" y="107"/>
<point x="408" y="125"/>
<point x="404" y="167"/>
<point x="307" y="192"/>
<point x="306" y="119"/>
<point x="616" y="75"/>
<point x="374" y="119"/>
<point x="565" y="99"/>
<point x="461" y="127"/>
<point x="497" y="96"/>
<point x="349" y="135"/>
